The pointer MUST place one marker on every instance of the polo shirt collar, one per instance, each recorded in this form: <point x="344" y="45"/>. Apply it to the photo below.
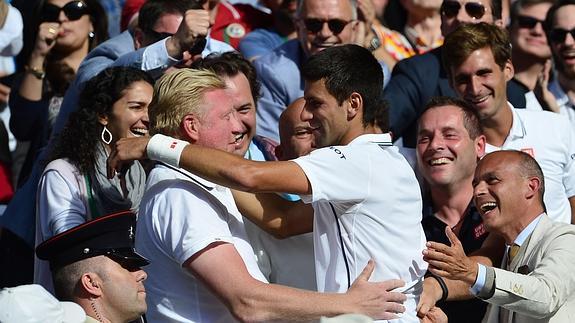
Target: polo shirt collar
<point x="517" y="127"/>
<point x="381" y="139"/>
<point x="184" y="174"/>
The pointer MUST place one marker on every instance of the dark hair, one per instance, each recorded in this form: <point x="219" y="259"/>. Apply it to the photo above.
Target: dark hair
<point x="59" y="74"/>
<point x="152" y="10"/>
<point x="521" y="4"/>
<point x="470" y="114"/>
<point x="496" y="9"/>
<point x="77" y="141"/>
<point x="468" y="38"/>
<point x="347" y="69"/>
<point x="231" y="64"/>
<point x="548" y="25"/>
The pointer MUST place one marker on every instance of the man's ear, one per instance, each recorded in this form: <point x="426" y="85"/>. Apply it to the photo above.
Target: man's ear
<point x="480" y="142"/>
<point x="190" y="127"/>
<point x="508" y="70"/>
<point x="534" y="185"/>
<point x="138" y="38"/>
<point x="355" y="105"/>
<point x="91" y="283"/>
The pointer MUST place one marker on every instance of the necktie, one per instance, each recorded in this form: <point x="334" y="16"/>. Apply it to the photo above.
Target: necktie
<point x="513" y="251"/>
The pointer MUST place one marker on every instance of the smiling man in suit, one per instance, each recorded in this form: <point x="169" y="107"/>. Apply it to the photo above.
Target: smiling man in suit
<point x="535" y="283"/>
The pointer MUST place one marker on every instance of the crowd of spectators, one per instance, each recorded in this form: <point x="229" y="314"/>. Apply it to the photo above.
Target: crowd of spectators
<point x="287" y="160"/>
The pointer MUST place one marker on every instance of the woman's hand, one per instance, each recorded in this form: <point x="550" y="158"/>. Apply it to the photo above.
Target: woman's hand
<point x="47" y="35"/>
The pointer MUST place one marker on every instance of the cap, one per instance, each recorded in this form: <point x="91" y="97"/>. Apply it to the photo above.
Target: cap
<point x="33" y="304"/>
<point x="111" y="235"/>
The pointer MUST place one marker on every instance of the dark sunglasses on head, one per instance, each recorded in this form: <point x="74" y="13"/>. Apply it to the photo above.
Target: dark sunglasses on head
<point x="450" y="9"/>
<point x="528" y="22"/>
<point x="73" y="10"/>
<point x="558" y="35"/>
<point x="314" y="25"/>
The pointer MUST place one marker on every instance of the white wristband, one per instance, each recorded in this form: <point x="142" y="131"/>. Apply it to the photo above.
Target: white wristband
<point x="166" y="149"/>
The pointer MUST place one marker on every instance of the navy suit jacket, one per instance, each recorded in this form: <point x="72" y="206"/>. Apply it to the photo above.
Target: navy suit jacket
<point x="413" y="82"/>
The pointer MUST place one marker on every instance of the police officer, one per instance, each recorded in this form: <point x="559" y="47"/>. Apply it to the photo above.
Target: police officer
<point x="96" y="266"/>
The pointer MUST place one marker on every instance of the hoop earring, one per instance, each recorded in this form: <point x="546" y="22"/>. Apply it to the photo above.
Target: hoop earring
<point x="106" y="133"/>
<point x="91" y="34"/>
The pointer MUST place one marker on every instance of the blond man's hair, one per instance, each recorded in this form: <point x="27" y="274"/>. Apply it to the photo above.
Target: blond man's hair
<point x="178" y="94"/>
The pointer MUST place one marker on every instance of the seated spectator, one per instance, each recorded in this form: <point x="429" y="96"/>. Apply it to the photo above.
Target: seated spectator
<point x="320" y="24"/>
<point x="74" y="188"/>
<point x="96" y="266"/>
<point x="162" y="40"/>
<point x="423" y="25"/>
<point x="559" y="28"/>
<point x="263" y="40"/>
<point x="530" y="53"/>
<point x="65" y="31"/>
<point x="417" y="79"/>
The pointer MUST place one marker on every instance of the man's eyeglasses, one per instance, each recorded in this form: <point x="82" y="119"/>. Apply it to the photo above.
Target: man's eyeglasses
<point x="450" y="9"/>
<point x="157" y="36"/>
<point x="314" y="25"/>
<point x="73" y="10"/>
<point x="528" y="22"/>
<point x="558" y="35"/>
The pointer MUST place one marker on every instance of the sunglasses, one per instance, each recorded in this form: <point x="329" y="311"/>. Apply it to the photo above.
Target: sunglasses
<point x="558" y="35"/>
<point x="528" y="22"/>
<point x="450" y="9"/>
<point x="314" y="25"/>
<point x="157" y="36"/>
<point x="73" y="10"/>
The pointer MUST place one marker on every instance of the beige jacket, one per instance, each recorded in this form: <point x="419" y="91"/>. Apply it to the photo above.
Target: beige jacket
<point x="541" y="286"/>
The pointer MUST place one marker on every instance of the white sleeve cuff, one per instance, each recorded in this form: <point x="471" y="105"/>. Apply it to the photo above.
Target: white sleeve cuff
<point x="479" y="281"/>
<point x="166" y="149"/>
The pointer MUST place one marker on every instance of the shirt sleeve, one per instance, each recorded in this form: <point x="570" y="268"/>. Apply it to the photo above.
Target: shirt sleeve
<point x="190" y="221"/>
<point x="479" y="281"/>
<point x="335" y="175"/>
<point x="60" y="204"/>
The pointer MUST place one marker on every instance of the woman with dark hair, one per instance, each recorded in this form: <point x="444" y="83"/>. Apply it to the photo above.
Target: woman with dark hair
<point x="63" y="34"/>
<point x="74" y="187"/>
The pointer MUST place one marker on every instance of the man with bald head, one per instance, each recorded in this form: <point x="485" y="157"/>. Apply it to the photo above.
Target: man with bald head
<point x="535" y="283"/>
<point x="296" y="135"/>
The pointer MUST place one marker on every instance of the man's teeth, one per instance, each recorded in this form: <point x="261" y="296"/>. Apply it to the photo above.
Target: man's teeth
<point x="479" y="100"/>
<point x="139" y="131"/>
<point x="239" y="137"/>
<point x="439" y="161"/>
<point x="486" y="207"/>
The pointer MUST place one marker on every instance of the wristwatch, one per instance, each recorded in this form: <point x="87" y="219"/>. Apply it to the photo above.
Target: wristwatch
<point x="36" y="72"/>
<point x="374" y="44"/>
